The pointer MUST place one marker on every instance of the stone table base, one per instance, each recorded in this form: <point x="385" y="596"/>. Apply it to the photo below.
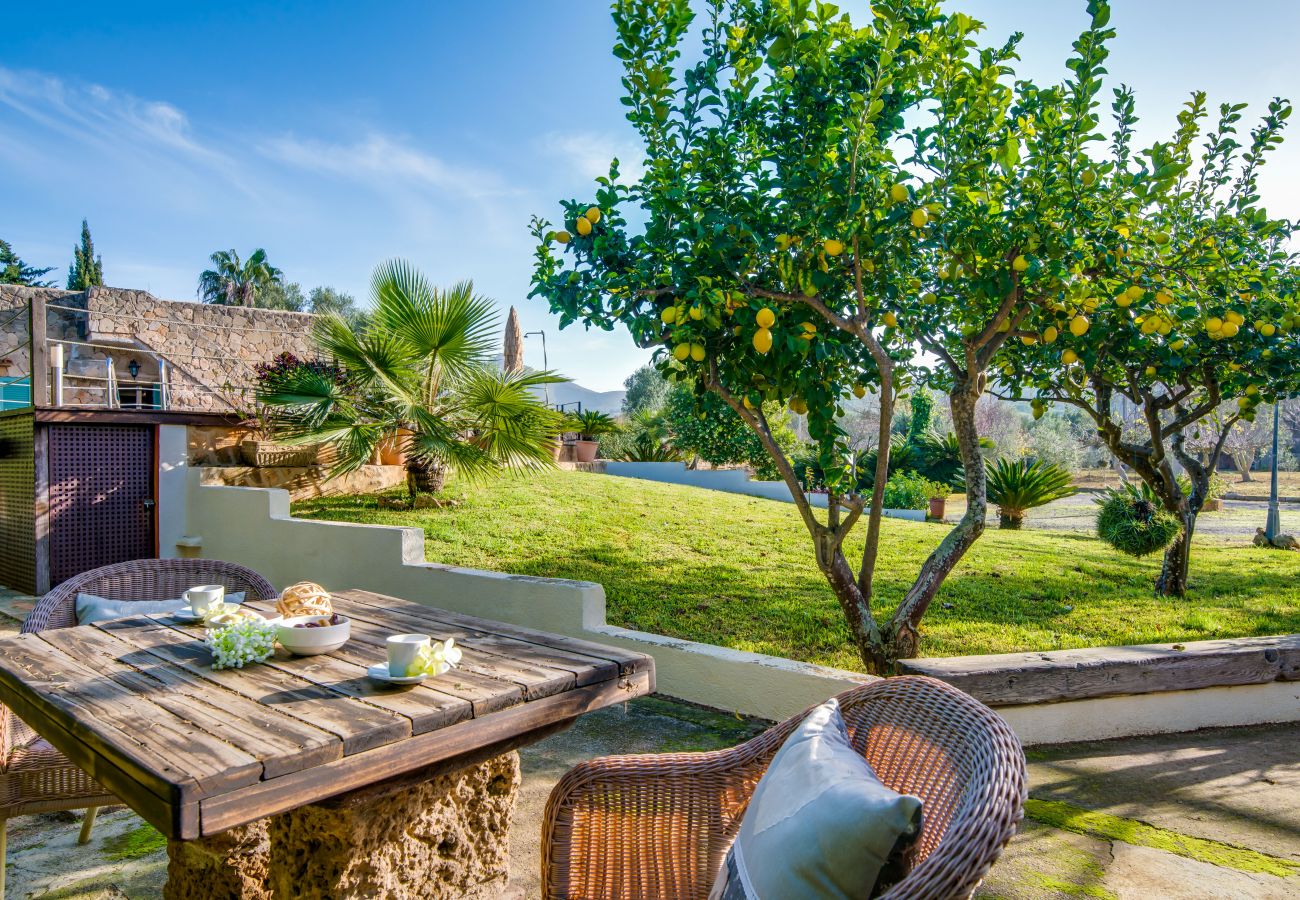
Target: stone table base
<point x="431" y="837"/>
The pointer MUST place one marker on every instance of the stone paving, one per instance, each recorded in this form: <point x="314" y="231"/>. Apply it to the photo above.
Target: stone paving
<point x="1176" y="814"/>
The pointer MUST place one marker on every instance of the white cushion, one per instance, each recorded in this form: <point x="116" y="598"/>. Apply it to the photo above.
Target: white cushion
<point x="100" y="609"/>
<point x="820" y="823"/>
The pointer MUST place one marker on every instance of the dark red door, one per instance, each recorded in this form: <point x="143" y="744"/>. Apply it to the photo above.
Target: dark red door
<point x="101" y="496"/>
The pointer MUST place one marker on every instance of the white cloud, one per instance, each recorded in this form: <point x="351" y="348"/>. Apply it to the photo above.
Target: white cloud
<point x="589" y="154"/>
<point x="385" y="162"/>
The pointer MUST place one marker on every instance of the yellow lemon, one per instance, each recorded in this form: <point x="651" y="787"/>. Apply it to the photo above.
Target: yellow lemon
<point x="1235" y="318"/>
<point x="681" y="352"/>
<point x="1160" y="238"/>
<point x="765" y="318"/>
<point x="592" y="215"/>
<point x="798" y="405"/>
<point x="1123" y="231"/>
<point x="1164" y="298"/>
<point x="1267" y="329"/>
<point x="1020" y="263"/>
<point x="1049" y="335"/>
<point x="1090" y="305"/>
<point x="762" y="340"/>
<point x="919" y="218"/>
<point x="1252" y="390"/>
<point x="859" y="391"/>
<point x="929" y="297"/>
<point x="1243" y="402"/>
<point x="1004" y="325"/>
<point x="1213" y="324"/>
<point x="889" y="319"/>
<point x="868" y="265"/>
<point x="833" y="247"/>
<point x="583" y="226"/>
<point x="1178" y="344"/>
<point x="1134" y="293"/>
<point x="1069" y="357"/>
<point x="1150" y="371"/>
<point x="898" y="193"/>
<point x="1028" y="339"/>
<point x="697" y="352"/>
<point x="1123" y="301"/>
<point x="1229" y="329"/>
<point x="1089" y="177"/>
<point x="563" y="237"/>
<point x="1079" y="325"/>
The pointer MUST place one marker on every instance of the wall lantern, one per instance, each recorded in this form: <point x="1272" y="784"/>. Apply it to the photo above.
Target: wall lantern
<point x="134" y="368"/>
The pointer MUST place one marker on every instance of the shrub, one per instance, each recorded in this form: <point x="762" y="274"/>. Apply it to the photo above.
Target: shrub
<point x="1132" y="521"/>
<point x="1022" y="484"/>
<point x="908" y="490"/>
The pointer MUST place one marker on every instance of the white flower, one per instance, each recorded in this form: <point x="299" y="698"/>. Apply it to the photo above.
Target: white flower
<point x="244" y="641"/>
<point x="437" y="658"/>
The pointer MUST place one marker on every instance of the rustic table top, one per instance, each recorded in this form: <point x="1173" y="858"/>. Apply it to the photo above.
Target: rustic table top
<point x="196" y="751"/>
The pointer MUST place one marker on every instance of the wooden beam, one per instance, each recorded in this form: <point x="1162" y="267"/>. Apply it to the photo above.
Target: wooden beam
<point x="1011" y="679"/>
<point x="69" y="416"/>
<point x="40" y="349"/>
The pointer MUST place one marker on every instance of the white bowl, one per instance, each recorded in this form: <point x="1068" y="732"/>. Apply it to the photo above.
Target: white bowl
<point x="311" y="641"/>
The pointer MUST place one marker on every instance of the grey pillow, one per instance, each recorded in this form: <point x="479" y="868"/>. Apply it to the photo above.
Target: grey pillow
<point x="820" y="823"/>
<point x="100" y="609"/>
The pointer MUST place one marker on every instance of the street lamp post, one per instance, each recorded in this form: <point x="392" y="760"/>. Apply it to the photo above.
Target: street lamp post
<point x="1273" y="524"/>
<point x="546" y="363"/>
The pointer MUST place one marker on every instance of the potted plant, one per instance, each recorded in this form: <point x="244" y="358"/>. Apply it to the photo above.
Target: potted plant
<point x="938" y="499"/>
<point x="590" y="425"/>
<point x="1022" y="484"/>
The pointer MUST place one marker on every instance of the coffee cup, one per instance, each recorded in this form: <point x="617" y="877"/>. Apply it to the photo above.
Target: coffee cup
<point x="204" y="597"/>
<point x="402" y="651"/>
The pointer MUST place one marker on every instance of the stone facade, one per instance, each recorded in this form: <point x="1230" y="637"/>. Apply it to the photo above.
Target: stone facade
<point x="445" y="836"/>
<point x="209" y="351"/>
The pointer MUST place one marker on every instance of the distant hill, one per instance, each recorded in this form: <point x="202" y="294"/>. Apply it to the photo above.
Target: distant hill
<point x="602" y="401"/>
<point x="568" y="393"/>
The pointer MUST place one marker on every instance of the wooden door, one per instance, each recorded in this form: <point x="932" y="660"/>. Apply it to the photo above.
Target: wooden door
<point x="102" y="499"/>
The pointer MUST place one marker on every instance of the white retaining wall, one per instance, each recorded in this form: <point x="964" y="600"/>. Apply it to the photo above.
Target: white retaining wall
<point x="732" y="481"/>
<point x="253" y="526"/>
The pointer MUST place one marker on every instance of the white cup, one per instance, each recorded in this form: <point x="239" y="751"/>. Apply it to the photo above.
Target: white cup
<point x="205" y="596"/>
<point x="402" y="650"/>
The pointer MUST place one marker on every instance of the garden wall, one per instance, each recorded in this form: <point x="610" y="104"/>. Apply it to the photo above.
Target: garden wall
<point x="1046" y="697"/>
<point x="732" y="481"/>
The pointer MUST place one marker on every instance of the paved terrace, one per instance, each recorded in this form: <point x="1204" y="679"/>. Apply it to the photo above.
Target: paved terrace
<point x="1206" y="814"/>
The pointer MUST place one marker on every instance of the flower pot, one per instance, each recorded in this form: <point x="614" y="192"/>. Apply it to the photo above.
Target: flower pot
<point x="937" y="507"/>
<point x="557" y="450"/>
<point x="585" y="451"/>
<point x="391" y="451"/>
<point x="269" y="454"/>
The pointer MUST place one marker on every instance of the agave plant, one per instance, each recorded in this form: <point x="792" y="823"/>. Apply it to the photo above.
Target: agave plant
<point x="419" y="375"/>
<point x="1134" y="521"/>
<point x="1022" y="484"/>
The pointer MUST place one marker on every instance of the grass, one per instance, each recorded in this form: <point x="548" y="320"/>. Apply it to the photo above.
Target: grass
<point x="1131" y="831"/>
<point x="140" y="841"/>
<point x="739" y="571"/>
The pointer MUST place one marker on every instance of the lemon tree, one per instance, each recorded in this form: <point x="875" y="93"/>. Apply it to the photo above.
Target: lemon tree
<point x="830" y="208"/>
<point x="1183" y="300"/>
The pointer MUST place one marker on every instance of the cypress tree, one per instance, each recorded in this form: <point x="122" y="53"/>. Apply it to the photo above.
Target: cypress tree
<point x="87" y="269"/>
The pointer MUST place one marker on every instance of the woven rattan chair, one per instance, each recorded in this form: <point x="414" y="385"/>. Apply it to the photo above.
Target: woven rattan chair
<point x="36" y="778"/>
<point x="658" y="826"/>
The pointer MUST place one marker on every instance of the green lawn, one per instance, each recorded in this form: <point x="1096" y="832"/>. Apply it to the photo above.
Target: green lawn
<point x="739" y="571"/>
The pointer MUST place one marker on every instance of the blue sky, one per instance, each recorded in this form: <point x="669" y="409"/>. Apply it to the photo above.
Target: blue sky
<point x="337" y="135"/>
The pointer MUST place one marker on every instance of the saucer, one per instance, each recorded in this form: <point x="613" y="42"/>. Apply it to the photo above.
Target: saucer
<point x="187" y="614"/>
<point x="379" y="672"/>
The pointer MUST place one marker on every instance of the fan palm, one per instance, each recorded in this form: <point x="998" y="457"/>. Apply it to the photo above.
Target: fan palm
<point x="234" y="283"/>
<point x="418" y="375"/>
<point x="1018" y="485"/>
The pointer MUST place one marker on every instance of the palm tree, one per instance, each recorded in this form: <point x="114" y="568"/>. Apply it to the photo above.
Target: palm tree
<point x="233" y="283"/>
<point x="419" y="374"/>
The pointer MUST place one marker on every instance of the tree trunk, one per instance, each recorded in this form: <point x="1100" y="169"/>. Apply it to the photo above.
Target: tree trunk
<point x="1173" y="573"/>
<point x="903" y="634"/>
<point x="1243" y="462"/>
<point x="424" y="476"/>
<point x="1011" y="519"/>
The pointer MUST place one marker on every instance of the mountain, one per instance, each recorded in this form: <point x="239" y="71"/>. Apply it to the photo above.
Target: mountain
<point x="602" y="401"/>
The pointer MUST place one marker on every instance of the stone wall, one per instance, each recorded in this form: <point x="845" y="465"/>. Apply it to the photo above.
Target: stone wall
<point x="209" y="350"/>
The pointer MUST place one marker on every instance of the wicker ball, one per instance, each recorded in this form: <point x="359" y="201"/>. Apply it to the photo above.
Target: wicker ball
<point x="305" y="598"/>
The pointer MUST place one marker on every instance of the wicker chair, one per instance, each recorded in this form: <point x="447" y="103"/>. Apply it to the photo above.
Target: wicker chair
<point x="36" y="778"/>
<point x="658" y="826"/>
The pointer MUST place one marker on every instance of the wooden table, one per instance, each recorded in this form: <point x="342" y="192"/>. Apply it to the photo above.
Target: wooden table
<point x="236" y="767"/>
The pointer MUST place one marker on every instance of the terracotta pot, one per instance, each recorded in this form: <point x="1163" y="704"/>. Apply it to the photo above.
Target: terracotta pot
<point x="937" y="506"/>
<point x="557" y="450"/>
<point x="391" y="452"/>
<point x="585" y="451"/>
